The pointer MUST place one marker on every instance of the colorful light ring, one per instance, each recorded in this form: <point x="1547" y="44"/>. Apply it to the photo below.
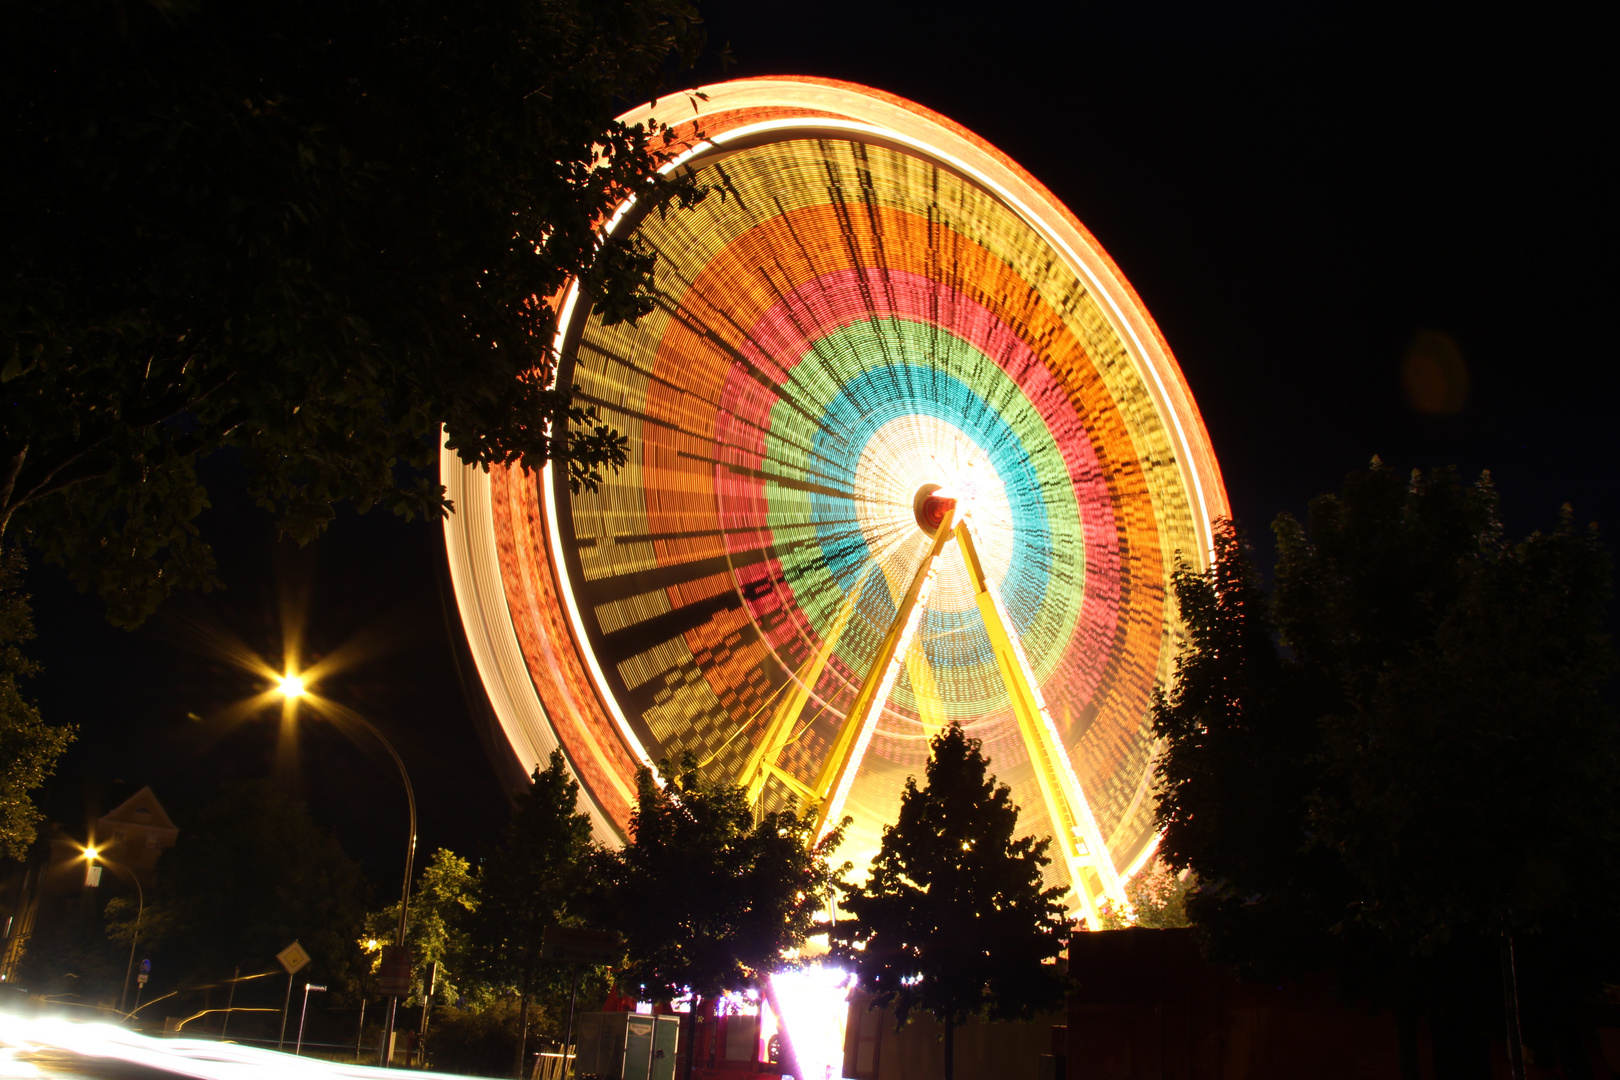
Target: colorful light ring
<point x="866" y="303"/>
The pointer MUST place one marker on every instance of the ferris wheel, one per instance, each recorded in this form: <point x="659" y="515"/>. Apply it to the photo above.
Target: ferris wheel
<point x="906" y="449"/>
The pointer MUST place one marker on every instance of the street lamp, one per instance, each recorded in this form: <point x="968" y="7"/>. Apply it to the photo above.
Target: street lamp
<point x="293" y="687"/>
<point x="91" y="854"/>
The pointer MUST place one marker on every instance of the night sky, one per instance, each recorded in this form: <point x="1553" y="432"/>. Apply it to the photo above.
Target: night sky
<point x="1301" y="198"/>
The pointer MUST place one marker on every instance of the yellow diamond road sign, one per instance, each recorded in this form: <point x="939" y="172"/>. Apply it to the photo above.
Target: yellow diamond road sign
<point x="293" y="957"/>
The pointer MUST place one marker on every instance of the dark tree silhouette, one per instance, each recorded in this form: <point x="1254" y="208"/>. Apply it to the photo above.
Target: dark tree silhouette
<point x="954" y="919"/>
<point x="29" y="746"/>
<point x="533" y="878"/>
<point x="249" y="874"/>
<point x="314" y="232"/>
<point x="708" y="899"/>
<point x="1420" y="775"/>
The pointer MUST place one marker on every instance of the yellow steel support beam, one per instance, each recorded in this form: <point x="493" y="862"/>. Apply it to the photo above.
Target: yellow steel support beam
<point x="798" y="787"/>
<point x="930" y="706"/>
<point x="843" y="761"/>
<point x="762" y="763"/>
<point x="1091" y="868"/>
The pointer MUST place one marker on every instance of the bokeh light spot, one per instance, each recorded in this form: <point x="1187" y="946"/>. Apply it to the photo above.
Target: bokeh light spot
<point x="1433" y="374"/>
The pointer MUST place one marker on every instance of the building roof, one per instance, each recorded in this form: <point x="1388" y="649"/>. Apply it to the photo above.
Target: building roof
<point x="141" y="809"/>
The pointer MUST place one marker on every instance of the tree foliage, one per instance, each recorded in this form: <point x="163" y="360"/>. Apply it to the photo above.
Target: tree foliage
<point x="29" y="747"/>
<point x="531" y="879"/>
<point x="534" y="877"/>
<point x="954" y="918"/>
<point x="1237" y="773"/>
<point x="250" y="874"/>
<point x="437" y="925"/>
<point x="311" y="231"/>
<point x="706" y="898"/>
<point x="70" y="957"/>
<point x="1418" y="763"/>
<point x="1155" y="899"/>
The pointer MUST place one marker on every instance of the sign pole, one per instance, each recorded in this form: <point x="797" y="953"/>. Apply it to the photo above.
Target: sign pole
<point x="428" y="981"/>
<point x="304" y="1012"/>
<point x="572" y="945"/>
<point x="573" y="996"/>
<point x="292" y="959"/>
<point x="230" y="1001"/>
<point x="393" y="982"/>
<point x="281" y="1043"/>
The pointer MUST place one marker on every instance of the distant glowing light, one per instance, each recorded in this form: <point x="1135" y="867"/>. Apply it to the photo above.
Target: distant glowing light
<point x="291" y="686"/>
<point x="91" y="853"/>
<point x="814" y="1003"/>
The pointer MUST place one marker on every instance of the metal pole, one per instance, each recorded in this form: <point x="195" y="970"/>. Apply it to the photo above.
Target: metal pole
<point x="230" y="1001"/>
<point x="573" y="996"/>
<point x="360" y="1033"/>
<point x="410" y="858"/>
<point x="140" y="910"/>
<point x="281" y="1043"/>
<point x="428" y="981"/>
<point x="1510" y="1009"/>
<point x="303" y="1013"/>
<point x="385" y="1036"/>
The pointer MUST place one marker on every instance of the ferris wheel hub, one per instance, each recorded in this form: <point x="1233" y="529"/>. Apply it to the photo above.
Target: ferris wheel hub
<point x="931" y="507"/>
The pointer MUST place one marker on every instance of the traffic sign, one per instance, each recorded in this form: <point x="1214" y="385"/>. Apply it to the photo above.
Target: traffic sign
<point x="146" y="967"/>
<point x="570" y="944"/>
<point x="292" y="958"/>
<point x="394" y="971"/>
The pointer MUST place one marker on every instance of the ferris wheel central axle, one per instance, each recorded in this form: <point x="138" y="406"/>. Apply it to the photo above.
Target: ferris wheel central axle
<point x="931" y="505"/>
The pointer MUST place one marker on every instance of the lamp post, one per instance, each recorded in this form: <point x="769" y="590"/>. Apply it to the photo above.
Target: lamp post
<point x="91" y="854"/>
<point x="292" y="687"/>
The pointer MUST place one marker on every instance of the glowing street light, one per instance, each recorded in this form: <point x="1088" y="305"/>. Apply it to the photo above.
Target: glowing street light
<point x="294" y="687"/>
<point x="91" y="855"/>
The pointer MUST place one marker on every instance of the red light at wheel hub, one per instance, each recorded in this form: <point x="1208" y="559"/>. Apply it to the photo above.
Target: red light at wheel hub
<point x="931" y="508"/>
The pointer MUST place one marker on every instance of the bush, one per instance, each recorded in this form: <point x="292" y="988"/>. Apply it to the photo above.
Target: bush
<point x="479" y="1042"/>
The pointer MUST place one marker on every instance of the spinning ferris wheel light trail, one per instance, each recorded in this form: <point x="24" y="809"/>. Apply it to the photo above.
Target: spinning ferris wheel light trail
<point x="906" y="449"/>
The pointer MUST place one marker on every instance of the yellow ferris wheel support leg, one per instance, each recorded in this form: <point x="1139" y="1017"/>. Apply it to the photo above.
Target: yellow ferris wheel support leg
<point x="838" y="770"/>
<point x="1091" y="868"/>
<point x="930" y="707"/>
<point x="762" y="763"/>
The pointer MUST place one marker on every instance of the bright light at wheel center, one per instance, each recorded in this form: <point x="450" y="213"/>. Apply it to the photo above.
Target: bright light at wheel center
<point x="290" y="685"/>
